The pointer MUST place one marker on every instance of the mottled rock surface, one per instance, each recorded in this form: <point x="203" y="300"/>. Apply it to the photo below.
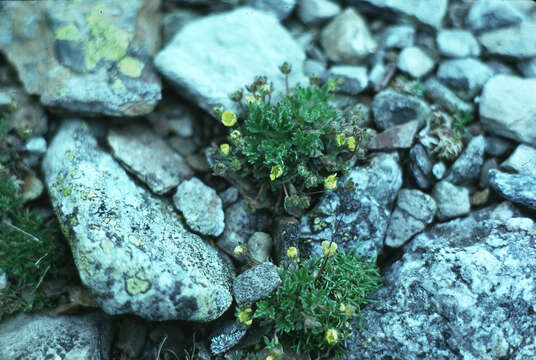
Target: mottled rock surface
<point x="129" y="246"/>
<point x="520" y="189"/>
<point x="392" y="108"/>
<point x="255" y="284"/>
<point x="452" y="200"/>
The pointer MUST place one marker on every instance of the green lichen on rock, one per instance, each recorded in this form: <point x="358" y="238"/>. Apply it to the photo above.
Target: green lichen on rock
<point x="108" y="41"/>
<point x="137" y="286"/>
<point x="131" y="66"/>
<point x="68" y="32"/>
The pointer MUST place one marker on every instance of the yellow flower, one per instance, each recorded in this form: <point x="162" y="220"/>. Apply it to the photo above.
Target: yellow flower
<point x="341" y="139"/>
<point x="329" y="248"/>
<point x="244" y="316"/>
<point x="276" y="172"/>
<point x="225" y="148"/>
<point x="228" y="118"/>
<point x="332" y="336"/>
<point x="351" y="143"/>
<point x="292" y="252"/>
<point x="240" y="250"/>
<point x="330" y="182"/>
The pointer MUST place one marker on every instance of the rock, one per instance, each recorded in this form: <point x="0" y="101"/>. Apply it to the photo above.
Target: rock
<point x="439" y="170"/>
<point x="464" y="76"/>
<point x="516" y="42"/>
<point x="362" y="203"/>
<point x="173" y="117"/>
<point x="520" y="189"/>
<point x="467" y="167"/>
<point x="414" y="210"/>
<point x="198" y="162"/>
<point x="497" y="146"/>
<point x="484" y="177"/>
<point x="225" y="336"/>
<point x="314" y="68"/>
<point x="521" y="161"/>
<point x="185" y="147"/>
<point x="260" y="246"/>
<point x="459" y="292"/>
<point x="175" y="20"/>
<point x="457" y="44"/>
<point x="229" y="196"/>
<point x="528" y="68"/>
<point x="5" y="101"/>
<point x="131" y="336"/>
<point x="444" y="97"/>
<point x="492" y="14"/>
<point x="313" y="12"/>
<point x="347" y="38"/>
<point x="479" y="198"/>
<point x="280" y="8"/>
<point x="239" y="226"/>
<point x="148" y="157"/>
<point x="396" y="137"/>
<point x="354" y="78"/>
<point x="36" y="145"/>
<point x="452" y="200"/>
<point x="397" y="37"/>
<point x="27" y="116"/>
<point x="32" y="188"/>
<point x="130" y="249"/>
<point x="218" y="54"/>
<point x="39" y="336"/>
<point x="420" y="166"/>
<point x="505" y="211"/>
<point x="431" y="16"/>
<point x="507" y="108"/>
<point x="201" y="207"/>
<point x="255" y="284"/>
<point x="3" y="280"/>
<point x="98" y="64"/>
<point x="415" y="62"/>
<point x="391" y="108"/>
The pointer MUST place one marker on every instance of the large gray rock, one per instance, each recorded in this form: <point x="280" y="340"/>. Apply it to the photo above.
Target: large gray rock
<point x="464" y="76"/>
<point x="515" y="42"/>
<point x="466" y="168"/>
<point x="347" y="38"/>
<point x="521" y="161"/>
<point x="414" y="210"/>
<point x="313" y="12"/>
<point x="415" y="62"/>
<point x="148" y="157"/>
<point x="129" y="246"/>
<point x="507" y="108"/>
<point x="492" y="14"/>
<point x="39" y="336"/>
<point x="421" y="10"/>
<point x="201" y="207"/>
<point x="359" y="209"/>
<point x="452" y="200"/>
<point x="462" y="290"/>
<point x="457" y="44"/>
<point x="216" y="55"/>
<point x="280" y="8"/>
<point x="518" y="188"/>
<point x="92" y="58"/>
<point x="391" y="108"/>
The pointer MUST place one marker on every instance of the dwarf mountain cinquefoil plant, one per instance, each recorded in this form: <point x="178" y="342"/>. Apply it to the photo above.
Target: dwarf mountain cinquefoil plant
<point x="289" y="147"/>
<point x="316" y="303"/>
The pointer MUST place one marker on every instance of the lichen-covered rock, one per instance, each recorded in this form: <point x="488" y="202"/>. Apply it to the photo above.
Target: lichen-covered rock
<point x="201" y="207"/>
<point x="91" y="58"/>
<point x="464" y="76"/>
<point x="457" y="43"/>
<point x="392" y="108"/>
<point x="464" y="289"/>
<point x="39" y="336"/>
<point x="256" y="283"/>
<point x="452" y="200"/>
<point x="358" y="210"/>
<point x="148" y="157"/>
<point x="218" y="54"/>
<point x="518" y="188"/>
<point x="225" y="336"/>
<point x="420" y="166"/>
<point x="129" y="246"/>
<point x="521" y="161"/>
<point x="515" y="42"/>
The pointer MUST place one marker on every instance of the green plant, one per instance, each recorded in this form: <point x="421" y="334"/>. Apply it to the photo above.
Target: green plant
<point x="460" y="123"/>
<point x="30" y="251"/>
<point x="288" y="147"/>
<point x="318" y="301"/>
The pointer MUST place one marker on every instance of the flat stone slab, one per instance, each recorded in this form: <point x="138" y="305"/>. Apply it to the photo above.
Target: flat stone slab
<point x="149" y="158"/>
<point x="212" y="57"/>
<point x="129" y="246"/>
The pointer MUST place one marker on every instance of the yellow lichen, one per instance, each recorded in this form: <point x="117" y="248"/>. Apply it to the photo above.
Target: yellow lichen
<point x="131" y="66"/>
<point x="135" y="286"/>
<point x="68" y="32"/>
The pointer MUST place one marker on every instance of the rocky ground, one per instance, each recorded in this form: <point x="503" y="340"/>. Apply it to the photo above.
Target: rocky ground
<point x="110" y="112"/>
